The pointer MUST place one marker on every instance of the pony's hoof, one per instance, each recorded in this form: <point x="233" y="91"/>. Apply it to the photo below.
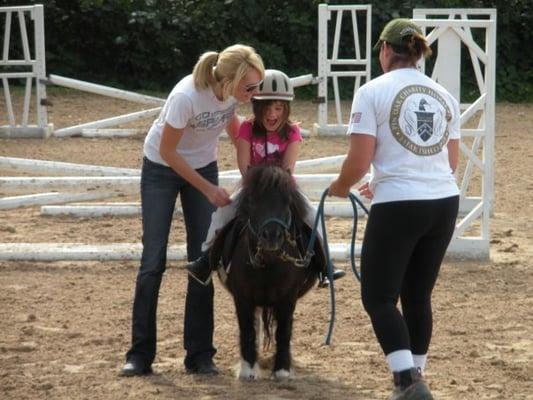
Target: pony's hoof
<point x="247" y="372"/>
<point x="282" y="375"/>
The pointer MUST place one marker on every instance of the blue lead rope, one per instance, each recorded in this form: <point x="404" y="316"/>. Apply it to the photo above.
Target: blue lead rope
<point x="320" y="216"/>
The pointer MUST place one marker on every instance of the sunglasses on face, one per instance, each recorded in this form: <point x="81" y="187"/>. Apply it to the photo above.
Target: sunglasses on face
<point x="251" y="87"/>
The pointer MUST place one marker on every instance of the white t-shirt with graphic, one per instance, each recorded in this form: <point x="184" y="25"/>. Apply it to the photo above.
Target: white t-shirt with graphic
<point x="412" y="118"/>
<point x="201" y="116"/>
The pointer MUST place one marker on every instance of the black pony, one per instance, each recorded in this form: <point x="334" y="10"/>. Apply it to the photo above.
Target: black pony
<point x="267" y="267"/>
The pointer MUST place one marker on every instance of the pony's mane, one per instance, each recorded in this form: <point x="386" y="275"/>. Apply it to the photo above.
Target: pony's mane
<point x="260" y="180"/>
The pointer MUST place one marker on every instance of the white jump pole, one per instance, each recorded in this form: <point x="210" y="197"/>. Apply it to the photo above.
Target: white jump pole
<point x="307" y="166"/>
<point x="121" y="119"/>
<point x="32" y="165"/>
<point x="122" y="183"/>
<point x="464" y="248"/>
<point x="101" y="252"/>
<point x="92" y="211"/>
<point x="80" y="252"/>
<point x="303" y="80"/>
<point x="109" y="133"/>
<point x="10" y="183"/>
<point x="7" y="203"/>
<point x="104" y="90"/>
<point x="319" y="164"/>
<point x="340" y="209"/>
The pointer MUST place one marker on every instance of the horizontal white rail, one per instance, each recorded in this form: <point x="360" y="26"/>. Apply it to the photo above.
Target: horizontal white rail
<point x="104" y="90"/>
<point x="302" y="80"/>
<point x="17" y="75"/>
<point x="79" y="252"/>
<point x="463" y="248"/>
<point x="38" y="199"/>
<point x="42" y="166"/>
<point x="17" y="8"/>
<point x="305" y="181"/>
<point x="341" y="209"/>
<point x="109" y="133"/>
<point x="121" y="119"/>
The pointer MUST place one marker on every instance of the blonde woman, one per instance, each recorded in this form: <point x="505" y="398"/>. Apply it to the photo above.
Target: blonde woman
<point x="180" y="158"/>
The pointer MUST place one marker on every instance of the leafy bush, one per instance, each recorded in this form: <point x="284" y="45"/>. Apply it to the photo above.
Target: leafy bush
<point x="150" y="44"/>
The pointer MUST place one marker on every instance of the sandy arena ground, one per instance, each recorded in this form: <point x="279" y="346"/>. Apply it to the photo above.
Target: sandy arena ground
<point x="66" y="325"/>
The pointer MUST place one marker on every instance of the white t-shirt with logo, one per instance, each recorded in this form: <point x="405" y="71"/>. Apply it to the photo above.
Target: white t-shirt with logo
<point x="412" y="118"/>
<point x="201" y="116"/>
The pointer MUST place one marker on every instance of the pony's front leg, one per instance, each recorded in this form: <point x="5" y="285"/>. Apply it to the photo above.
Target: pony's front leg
<point x="284" y="317"/>
<point x="246" y="315"/>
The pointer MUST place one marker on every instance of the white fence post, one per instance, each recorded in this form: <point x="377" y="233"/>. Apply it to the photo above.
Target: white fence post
<point x="454" y="33"/>
<point x="31" y="69"/>
<point x="40" y="67"/>
<point x="359" y="64"/>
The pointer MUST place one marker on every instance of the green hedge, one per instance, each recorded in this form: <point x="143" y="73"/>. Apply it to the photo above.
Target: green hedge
<point x="149" y="44"/>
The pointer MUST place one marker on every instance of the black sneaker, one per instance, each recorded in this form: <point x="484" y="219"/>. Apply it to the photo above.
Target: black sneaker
<point x="200" y="269"/>
<point x="409" y="385"/>
<point x="134" y="368"/>
<point x="202" y="366"/>
<point x="416" y="391"/>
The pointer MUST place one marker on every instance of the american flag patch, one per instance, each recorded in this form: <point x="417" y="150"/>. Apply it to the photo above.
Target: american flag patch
<point x="356" y="117"/>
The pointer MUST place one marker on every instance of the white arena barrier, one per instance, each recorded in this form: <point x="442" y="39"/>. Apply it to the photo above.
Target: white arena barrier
<point x="97" y="210"/>
<point x="7" y="203"/>
<point x="103" y="123"/>
<point x="101" y="252"/>
<point x="315" y="181"/>
<point x="104" y="90"/>
<point x="342" y="209"/>
<point x="65" y="168"/>
<point x="109" y="133"/>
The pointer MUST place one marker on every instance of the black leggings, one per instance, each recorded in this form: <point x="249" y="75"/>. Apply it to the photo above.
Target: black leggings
<point x="403" y="248"/>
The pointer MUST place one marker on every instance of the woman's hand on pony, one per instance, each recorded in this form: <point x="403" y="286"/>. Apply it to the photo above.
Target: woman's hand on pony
<point x="218" y="196"/>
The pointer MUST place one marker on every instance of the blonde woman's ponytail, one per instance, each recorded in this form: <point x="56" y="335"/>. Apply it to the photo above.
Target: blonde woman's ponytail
<point x="202" y="73"/>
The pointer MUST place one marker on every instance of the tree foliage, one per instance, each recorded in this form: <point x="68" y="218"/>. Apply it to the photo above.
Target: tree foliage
<point x="150" y="44"/>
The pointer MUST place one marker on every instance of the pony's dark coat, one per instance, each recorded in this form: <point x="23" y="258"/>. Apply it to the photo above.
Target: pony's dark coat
<point x="270" y="223"/>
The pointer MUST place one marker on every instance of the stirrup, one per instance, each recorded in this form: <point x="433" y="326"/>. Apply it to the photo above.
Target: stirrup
<point x="200" y="270"/>
<point x="323" y="280"/>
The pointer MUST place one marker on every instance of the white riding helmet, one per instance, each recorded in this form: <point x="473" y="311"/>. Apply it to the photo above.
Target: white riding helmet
<point x="275" y="86"/>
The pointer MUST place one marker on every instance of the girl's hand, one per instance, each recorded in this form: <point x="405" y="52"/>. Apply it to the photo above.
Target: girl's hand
<point x="218" y="196"/>
<point x="364" y="190"/>
<point x="338" y="190"/>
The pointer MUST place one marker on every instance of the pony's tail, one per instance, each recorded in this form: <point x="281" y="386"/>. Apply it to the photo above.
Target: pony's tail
<point x="268" y="327"/>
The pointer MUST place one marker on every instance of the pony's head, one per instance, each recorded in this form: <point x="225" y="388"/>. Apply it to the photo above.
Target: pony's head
<point x="270" y="201"/>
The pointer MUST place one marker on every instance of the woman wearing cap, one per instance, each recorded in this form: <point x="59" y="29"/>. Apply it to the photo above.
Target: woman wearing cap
<point x="267" y="138"/>
<point x="407" y="127"/>
<point x="180" y="158"/>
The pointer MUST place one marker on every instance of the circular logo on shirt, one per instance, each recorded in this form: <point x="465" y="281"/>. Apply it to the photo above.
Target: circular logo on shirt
<point x="419" y="120"/>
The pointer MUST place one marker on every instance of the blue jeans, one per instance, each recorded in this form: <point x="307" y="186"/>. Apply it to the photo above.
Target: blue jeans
<point x="160" y="186"/>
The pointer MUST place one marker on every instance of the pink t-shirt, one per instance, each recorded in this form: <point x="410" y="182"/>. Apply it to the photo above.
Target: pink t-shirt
<point x="275" y="144"/>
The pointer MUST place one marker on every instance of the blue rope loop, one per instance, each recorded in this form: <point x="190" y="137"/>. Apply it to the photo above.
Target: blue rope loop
<point x="320" y="217"/>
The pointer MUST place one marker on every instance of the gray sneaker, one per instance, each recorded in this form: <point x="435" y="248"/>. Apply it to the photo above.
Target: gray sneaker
<point x="416" y="391"/>
<point x="409" y="385"/>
